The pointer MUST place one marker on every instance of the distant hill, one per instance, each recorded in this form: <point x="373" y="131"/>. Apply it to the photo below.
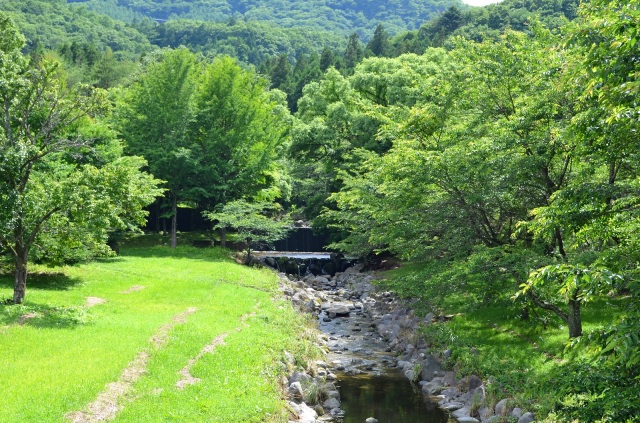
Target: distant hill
<point x="336" y="16"/>
<point x="53" y="23"/>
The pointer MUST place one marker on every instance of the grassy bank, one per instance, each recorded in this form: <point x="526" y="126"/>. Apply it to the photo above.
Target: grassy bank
<point x="524" y="356"/>
<point x="185" y="335"/>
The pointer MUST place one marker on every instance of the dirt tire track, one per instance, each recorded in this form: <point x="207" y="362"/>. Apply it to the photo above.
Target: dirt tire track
<point x="105" y="406"/>
<point x="134" y="288"/>
<point x="187" y="378"/>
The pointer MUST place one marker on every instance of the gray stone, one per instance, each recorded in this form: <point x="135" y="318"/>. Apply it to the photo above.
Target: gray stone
<point x="452" y="406"/>
<point x="484" y="413"/>
<point x="461" y="412"/>
<point x="474" y="382"/>
<point x="516" y="412"/>
<point x="371" y="420"/>
<point x="467" y="420"/>
<point x="428" y="319"/>
<point x="333" y="394"/>
<point x="299" y="377"/>
<point x="330" y="404"/>
<point x="338" y="310"/>
<point x="433" y="387"/>
<point x="430" y="365"/>
<point x="450" y="392"/>
<point x="493" y="419"/>
<point x="295" y="391"/>
<point x="305" y="413"/>
<point x="338" y="413"/>
<point x="410" y="374"/>
<point x="449" y="378"/>
<point x="501" y="407"/>
<point x="526" y="418"/>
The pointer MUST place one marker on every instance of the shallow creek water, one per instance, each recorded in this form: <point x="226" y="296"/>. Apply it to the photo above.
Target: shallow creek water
<point x="369" y="386"/>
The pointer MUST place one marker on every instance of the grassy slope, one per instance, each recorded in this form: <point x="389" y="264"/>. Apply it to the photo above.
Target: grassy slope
<point x="519" y="358"/>
<point x="60" y="362"/>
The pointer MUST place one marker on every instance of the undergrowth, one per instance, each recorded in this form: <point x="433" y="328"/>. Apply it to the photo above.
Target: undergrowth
<point x="520" y="352"/>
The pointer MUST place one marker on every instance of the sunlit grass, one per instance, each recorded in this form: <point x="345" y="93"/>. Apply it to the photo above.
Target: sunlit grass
<point x="60" y="360"/>
<point x="517" y="357"/>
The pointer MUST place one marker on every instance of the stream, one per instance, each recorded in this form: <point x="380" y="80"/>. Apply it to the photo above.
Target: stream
<point x="369" y="384"/>
<point x="368" y="380"/>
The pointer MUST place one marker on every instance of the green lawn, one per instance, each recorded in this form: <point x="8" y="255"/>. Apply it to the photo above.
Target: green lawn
<point x="57" y="355"/>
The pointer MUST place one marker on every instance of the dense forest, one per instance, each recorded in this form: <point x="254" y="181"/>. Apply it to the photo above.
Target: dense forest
<point x="494" y="149"/>
<point x="336" y="16"/>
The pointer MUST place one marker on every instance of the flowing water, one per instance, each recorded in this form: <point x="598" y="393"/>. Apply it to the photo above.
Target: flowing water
<point x="369" y="385"/>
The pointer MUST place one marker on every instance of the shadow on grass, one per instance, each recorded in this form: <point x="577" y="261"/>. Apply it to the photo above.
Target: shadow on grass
<point x="43" y="315"/>
<point x="210" y="254"/>
<point x="50" y="281"/>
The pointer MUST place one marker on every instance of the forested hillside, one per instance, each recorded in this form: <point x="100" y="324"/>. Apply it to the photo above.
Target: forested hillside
<point x="52" y="23"/>
<point x="336" y="16"/>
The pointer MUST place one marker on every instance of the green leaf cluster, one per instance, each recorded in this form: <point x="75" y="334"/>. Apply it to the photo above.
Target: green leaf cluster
<point x="64" y="184"/>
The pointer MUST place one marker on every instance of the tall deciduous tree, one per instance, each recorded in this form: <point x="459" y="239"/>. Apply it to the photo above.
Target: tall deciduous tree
<point x="155" y="119"/>
<point x="53" y="187"/>
<point x="212" y="131"/>
<point x="239" y="129"/>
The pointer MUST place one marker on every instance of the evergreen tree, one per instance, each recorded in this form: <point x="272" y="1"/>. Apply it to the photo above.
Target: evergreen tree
<point x="280" y="73"/>
<point x="353" y="53"/>
<point x="379" y="44"/>
<point x="327" y="59"/>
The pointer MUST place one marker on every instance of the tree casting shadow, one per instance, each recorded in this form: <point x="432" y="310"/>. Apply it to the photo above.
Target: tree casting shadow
<point x="50" y="281"/>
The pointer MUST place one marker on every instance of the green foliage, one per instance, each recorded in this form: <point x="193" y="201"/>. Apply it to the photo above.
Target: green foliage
<point x="58" y="194"/>
<point x="213" y="131"/>
<point x="258" y="222"/>
<point x="54" y="23"/>
<point x="328" y="16"/>
<point x="249" y="42"/>
<point x="594" y="393"/>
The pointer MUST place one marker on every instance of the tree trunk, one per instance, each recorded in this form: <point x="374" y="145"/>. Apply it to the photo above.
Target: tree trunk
<point x="223" y="237"/>
<point x="158" y="212"/>
<point x="574" y="319"/>
<point x="174" y="221"/>
<point x="20" y="285"/>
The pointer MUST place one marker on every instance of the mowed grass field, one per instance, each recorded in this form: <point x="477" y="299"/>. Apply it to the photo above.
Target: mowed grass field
<point x="158" y="335"/>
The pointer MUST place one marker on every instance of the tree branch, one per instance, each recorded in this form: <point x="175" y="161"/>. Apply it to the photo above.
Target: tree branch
<point x="548" y="306"/>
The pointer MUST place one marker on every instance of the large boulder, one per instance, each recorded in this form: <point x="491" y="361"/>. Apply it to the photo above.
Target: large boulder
<point x="338" y="310"/>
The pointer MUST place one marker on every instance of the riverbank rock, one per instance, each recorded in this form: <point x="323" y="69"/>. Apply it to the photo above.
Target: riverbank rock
<point x="349" y="294"/>
<point x="526" y="418"/>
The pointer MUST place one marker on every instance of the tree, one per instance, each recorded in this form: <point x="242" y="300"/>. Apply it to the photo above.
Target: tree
<point x="379" y="43"/>
<point x="154" y="119"/>
<point x="327" y="59"/>
<point x="253" y="222"/>
<point x="353" y="52"/>
<point x="57" y="184"/>
<point x="212" y="131"/>
<point x="238" y="132"/>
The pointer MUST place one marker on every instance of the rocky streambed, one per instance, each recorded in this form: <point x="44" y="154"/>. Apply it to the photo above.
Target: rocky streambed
<point x="377" y="367"/>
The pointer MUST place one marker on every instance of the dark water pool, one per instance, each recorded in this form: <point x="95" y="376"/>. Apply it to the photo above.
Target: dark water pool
<point x="390" y="398"/>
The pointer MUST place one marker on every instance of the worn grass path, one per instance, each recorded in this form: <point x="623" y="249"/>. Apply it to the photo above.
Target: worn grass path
<point x="152" y="336"/>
